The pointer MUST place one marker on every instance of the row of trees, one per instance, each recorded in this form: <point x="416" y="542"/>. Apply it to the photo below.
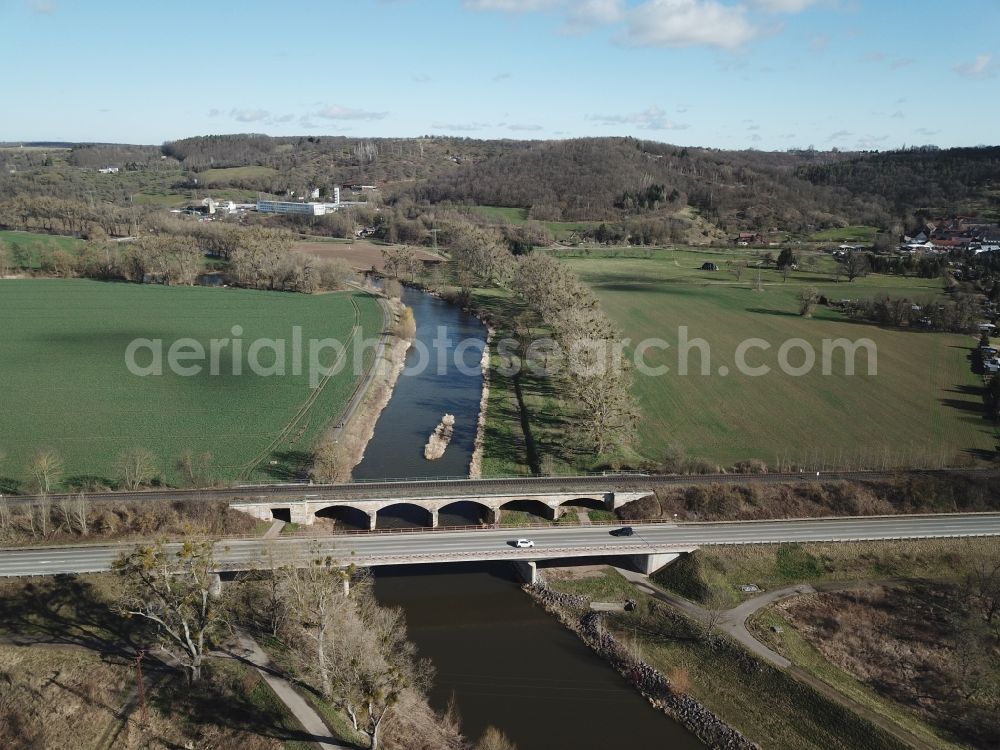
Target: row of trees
<point x="259" y="258"/>
<point x="67" y="216"/>
<point x="958" y="314"/>
<point x="592" y="382"/>
<point x="595" y="382"/>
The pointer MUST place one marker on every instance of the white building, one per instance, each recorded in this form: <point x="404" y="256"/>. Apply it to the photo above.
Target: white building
<point x="108" y="170"/>
<point x="314" y="194"/>
<point x="291" y="207"/>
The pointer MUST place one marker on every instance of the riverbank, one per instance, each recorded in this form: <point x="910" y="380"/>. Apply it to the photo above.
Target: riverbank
<point x="573" y="611"/>
<point x="357" y="430"/>
<point x="764" y="703"/>
<point x="476" y="464"/>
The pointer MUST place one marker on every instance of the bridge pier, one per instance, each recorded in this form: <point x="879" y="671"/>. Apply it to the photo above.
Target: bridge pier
<point x="434" y="518"/>
<point x="372" y="520"/>
<point x="527" y="570"/>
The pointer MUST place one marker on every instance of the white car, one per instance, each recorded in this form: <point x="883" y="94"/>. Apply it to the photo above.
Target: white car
<point x="524" y="543"/>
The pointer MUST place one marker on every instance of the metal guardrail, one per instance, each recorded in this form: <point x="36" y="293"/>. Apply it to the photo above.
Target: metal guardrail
<point x="312" y="534"/>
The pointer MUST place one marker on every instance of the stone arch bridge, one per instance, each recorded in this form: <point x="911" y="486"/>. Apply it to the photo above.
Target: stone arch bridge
<point x="303" y="510"/>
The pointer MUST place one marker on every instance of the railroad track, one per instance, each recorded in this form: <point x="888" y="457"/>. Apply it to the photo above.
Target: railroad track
<point x="429" y="488"/>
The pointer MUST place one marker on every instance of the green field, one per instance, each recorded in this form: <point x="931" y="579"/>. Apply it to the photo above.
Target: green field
<point x="846" y="234"/>
<point x="66" y="385"/>
<point x="520" y="216"/>
<point x="235" y="173"/>
<point x="33" y="240"/>
<point x="924" y="402"/>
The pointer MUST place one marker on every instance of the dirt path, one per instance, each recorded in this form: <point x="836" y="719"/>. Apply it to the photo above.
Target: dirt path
<point x="300" y="709"/>
<point x="733" y="623"/>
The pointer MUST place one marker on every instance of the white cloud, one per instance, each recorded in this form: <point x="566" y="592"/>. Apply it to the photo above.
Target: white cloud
<point x="587" y="14"/>
<point x="524" y="127"/>
<point x="652" y="118"/>
<point x="336" y="112"/>
<point x="687" y="23"/>
<point x="840" y="135"/>
<point x="249" y="115"/>
<point x="656" y="23"/>
<point x="783" y="6"/>
<point x="982" y="67"/>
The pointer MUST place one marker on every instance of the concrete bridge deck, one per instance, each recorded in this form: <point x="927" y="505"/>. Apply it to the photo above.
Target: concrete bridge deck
<point x="652" y="545"/>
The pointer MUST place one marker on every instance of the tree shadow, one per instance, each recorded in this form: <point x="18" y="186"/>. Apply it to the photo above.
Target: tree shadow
<point x="964" y="405"/>
<point x="768" y="311"/>
<point x="288" y="464"/>
<point x="88" y="483"/>
<point x="10" y="486"/>
<point x="242" y="703"/>
<point x="71" y="611"/>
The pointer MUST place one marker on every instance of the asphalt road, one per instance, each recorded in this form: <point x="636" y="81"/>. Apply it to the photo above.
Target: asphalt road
<point x="430" y="488"/>
<point x="494" y="544"/>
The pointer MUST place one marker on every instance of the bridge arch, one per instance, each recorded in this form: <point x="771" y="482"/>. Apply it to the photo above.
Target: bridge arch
<point x="465" y="513"/>
<point x="543" y="511"/>
<point x="344" y="517"/>
<point x="404" y="516"/>
<point x="585" y="503"/>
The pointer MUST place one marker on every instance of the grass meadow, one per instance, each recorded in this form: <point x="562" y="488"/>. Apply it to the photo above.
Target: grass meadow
<point x="923" y="403"/>
<point x="30" y="244"/>
<point x="559" y="229"/>
<point x="65" y="385"/>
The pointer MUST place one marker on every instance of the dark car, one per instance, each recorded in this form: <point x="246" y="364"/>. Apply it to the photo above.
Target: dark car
<point x="623" y="531"/>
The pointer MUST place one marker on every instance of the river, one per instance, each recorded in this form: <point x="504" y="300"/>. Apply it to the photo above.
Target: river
<point x="505" y="660"/>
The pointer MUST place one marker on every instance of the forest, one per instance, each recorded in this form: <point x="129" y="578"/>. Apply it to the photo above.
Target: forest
<point x="642" y="191"/>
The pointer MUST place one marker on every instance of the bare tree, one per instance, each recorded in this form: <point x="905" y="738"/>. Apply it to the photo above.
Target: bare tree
<point x="175" y="591"/>
<point x="196" y="469"/>
<point x="78" y="511"/>
<point x="375" y="664"/>
<point x="135" y="468"/>
<point x="406" y="326"/>
<point x="332" y="459"/>
<point x="808" y="298"/>
<point x="855" y="264"/>
<point x="314" y="599"/>
<point x="5" y="515"/>
<point x="494" y="739"/>
<point x="45" y="469"/>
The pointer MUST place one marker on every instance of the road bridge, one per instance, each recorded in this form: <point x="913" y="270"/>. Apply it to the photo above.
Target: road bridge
<point x="652" y="546"/>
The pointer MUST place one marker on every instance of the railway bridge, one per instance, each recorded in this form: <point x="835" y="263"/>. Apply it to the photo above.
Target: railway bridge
<point x="305" y="508"/>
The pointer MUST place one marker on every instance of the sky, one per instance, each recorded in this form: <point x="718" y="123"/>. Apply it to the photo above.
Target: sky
<point x="764" y="74"/>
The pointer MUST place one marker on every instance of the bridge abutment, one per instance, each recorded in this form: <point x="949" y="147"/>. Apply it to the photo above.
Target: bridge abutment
<point x="649" y="564"/>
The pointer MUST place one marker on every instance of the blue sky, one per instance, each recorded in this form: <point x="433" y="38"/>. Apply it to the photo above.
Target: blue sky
<point x="767" y="74"/>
